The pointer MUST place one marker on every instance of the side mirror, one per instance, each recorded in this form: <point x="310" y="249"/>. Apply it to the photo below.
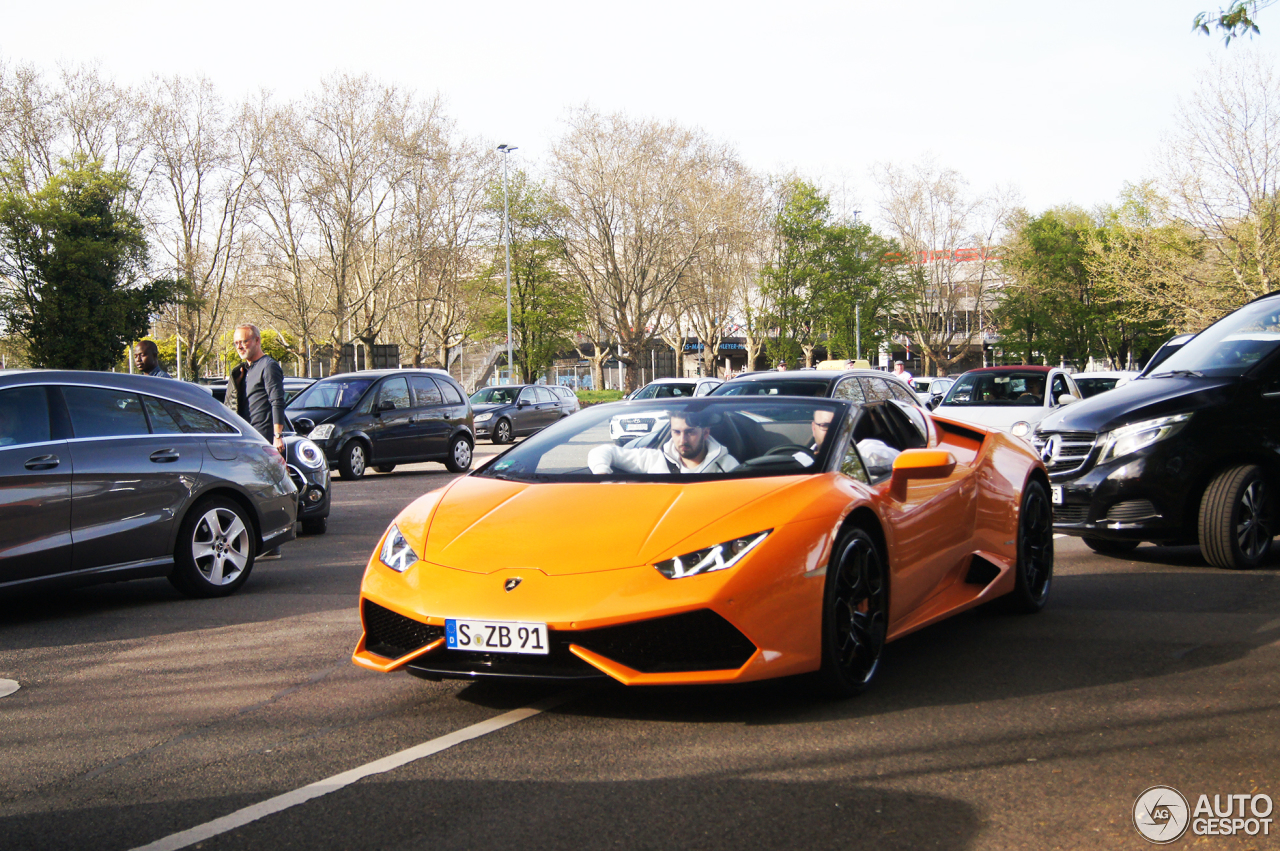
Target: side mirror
<point x="1067" y="399"/>
<point x="919" y="464"/>
<point x="522" y="403"/>
<point x="385" y="405"/>
<point x="304" y="425"/>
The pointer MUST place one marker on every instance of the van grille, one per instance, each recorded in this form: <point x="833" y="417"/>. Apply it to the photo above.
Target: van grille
<point x="1071" y="451"/>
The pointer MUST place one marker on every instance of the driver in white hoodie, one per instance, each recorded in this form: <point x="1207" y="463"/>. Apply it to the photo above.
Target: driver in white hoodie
<point x="691" y="449"/>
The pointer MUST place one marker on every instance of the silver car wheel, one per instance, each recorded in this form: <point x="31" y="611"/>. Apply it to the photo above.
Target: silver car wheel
<point x="220" y="546"/>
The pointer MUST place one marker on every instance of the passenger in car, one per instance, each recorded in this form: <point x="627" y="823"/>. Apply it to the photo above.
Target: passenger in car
<point x="691" y="449"/>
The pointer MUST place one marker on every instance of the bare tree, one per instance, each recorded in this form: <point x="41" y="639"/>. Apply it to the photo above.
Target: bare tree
<point x="201" y="159"/>
<point x="636" y="193"/>
<point x="1222" y="174"/>
<point x="946" y="233"/>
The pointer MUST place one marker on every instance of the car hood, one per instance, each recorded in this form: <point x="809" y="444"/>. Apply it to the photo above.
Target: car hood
<point x="317" y="415"/>
<point x="994" y="416"/>
<point x="483" y="525"/>
<point x="1139" y="400"/>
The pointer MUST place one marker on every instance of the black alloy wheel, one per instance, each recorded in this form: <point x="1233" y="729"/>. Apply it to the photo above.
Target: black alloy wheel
<point x="459" y="458"/>
<point x="354" y="460"/>
<point x="502" y="431"/>
<point x="215" y="549"/>
<point x="1237" y="519"/>
<point x="1034" y="569"/>
<point x="855" y="615"/>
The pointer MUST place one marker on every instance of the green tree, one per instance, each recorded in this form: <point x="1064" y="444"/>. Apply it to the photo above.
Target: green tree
<point x="798" y="272"/>
<point x="545" y="306"/>
<point x="1234" y="21"/>
<point x="75" y="258"/>
<point x="861" y="289"/>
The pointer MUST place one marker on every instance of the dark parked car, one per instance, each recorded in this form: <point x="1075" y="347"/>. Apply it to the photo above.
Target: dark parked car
<point x="292" y="387"/>
<point x="1187" y="453"/>
<point x="568" y="395"/>
<point x="384" y="417"/>
<point x="855" y="385"/>
<point x="508" y="411"/>
<point x="105" y="477"/>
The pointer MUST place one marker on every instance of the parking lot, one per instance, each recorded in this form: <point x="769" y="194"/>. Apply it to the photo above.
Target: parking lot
<point x="142" y="715"/>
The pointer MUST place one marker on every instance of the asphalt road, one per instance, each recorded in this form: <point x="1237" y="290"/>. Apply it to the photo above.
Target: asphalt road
<point x="142" y="715"/>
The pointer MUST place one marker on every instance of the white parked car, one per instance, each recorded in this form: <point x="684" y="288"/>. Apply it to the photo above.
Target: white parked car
<point x="624" y="427"/>
<point x="1093" y="383"/>
<point x="928" y="387"/>
<point x="1009" y="398"/>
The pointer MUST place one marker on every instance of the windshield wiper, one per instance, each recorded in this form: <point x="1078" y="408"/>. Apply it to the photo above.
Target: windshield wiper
<point x="1191" y="372"/>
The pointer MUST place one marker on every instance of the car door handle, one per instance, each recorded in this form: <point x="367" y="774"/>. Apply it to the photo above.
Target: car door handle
<point x="164" y="456"/>
<point x="42" y="462"/>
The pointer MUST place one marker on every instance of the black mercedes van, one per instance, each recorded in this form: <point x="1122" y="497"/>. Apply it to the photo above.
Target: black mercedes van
<point x="1187" y="453"/>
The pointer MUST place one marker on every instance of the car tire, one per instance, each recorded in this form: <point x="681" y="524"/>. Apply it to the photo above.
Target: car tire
<point x="1106" y="546"/>
<point x="215" y="550"/>
<point x="385" y="468"/>
<point x="502" y="431"/>
<point x="354" y="460"/>
<point x="460" y="453"/>
<point x="315" y="526"/>
<point x="855" y="615"/>
<point x="1236" y="518"/>
<point x="1033" y="571"/>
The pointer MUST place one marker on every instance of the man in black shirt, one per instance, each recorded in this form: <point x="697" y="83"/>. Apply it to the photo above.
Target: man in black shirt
<point x="261" y="397"/>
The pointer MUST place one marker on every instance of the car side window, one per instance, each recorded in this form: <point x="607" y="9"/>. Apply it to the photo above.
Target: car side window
<point x="425" y="391"/>
<point x="172" y="418"/>
<point x="449" y="392"/>
<point x="850" y="389"/>
<point x="877" y="389"/>
<point x="24" y="416"/>
<point x="901" y="393"/>
<point x="395" y="391"/>
<point x="545" y="395"/>
<point x="528" y="396"/>
<point x="1059" y="388"/>
<point x="851" y="465"/>
<point x="102" y="412"/>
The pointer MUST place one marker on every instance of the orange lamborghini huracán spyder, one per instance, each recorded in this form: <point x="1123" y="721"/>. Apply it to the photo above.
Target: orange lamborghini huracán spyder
<point x="747" y="538"/>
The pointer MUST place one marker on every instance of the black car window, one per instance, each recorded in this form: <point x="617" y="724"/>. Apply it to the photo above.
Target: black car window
<point x="494" y="396"/>
<point x="1060" y="388"/>
<point x="902" y="394"/>
<point x="332" y="393"/>
<point x="396" y="391"/>
<point x="102" y="412"/>
<point x="425" y="391"/>
<point x="24" y="416"/>
<point x="450" y="393"/>
<point x="169" y="417"/>
<point x="851" y="390"/>
<point x="766" y="387"/>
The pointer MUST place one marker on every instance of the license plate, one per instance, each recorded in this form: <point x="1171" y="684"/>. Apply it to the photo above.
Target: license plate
<point x="1055" y="494"/>
<point x="637" y="427"/>
<point x="496" y="636"/>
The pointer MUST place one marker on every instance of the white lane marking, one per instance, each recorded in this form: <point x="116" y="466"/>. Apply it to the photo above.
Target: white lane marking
<point x="8" y="687"/>
<point x="1268" y="626"/>
<point x="279" y="803"/>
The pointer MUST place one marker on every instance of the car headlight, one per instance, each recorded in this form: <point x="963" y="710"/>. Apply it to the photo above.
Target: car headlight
<point x="484" y="418"/>
<point x="1020" y="429"/>
<point x="1129" y="439"/>
<point x="309" y="454"/>
<point x="321" y="432"/>
<point x="711" y="559"/>
<point x="396" y="552"/>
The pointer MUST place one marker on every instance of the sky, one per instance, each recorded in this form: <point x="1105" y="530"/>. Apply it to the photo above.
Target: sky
<point x="1065" y="101"/>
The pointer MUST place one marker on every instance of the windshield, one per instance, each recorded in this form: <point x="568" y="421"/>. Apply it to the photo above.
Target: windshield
<point x="1231" y="345"/>
<point x="332" y="393"/>
<point x="701" y="438"/>
<point x="1093" y="386"/>
<point x="665" y="391"/>
<point x="975" y="389"/>
<point x="495" y="395"/>
<point x="771" y="388"/>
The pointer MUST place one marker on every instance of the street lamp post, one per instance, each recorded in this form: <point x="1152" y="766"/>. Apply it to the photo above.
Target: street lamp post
<point x="506" y="231"/>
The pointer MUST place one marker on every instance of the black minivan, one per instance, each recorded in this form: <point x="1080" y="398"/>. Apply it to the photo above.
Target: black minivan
<point x="381" y="418"/>
<point x="1188" y="453"/>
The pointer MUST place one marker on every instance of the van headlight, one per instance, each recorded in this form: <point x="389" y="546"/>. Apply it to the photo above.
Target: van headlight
<point x="321" y="432"/>
<point x="1129" y="439"/>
